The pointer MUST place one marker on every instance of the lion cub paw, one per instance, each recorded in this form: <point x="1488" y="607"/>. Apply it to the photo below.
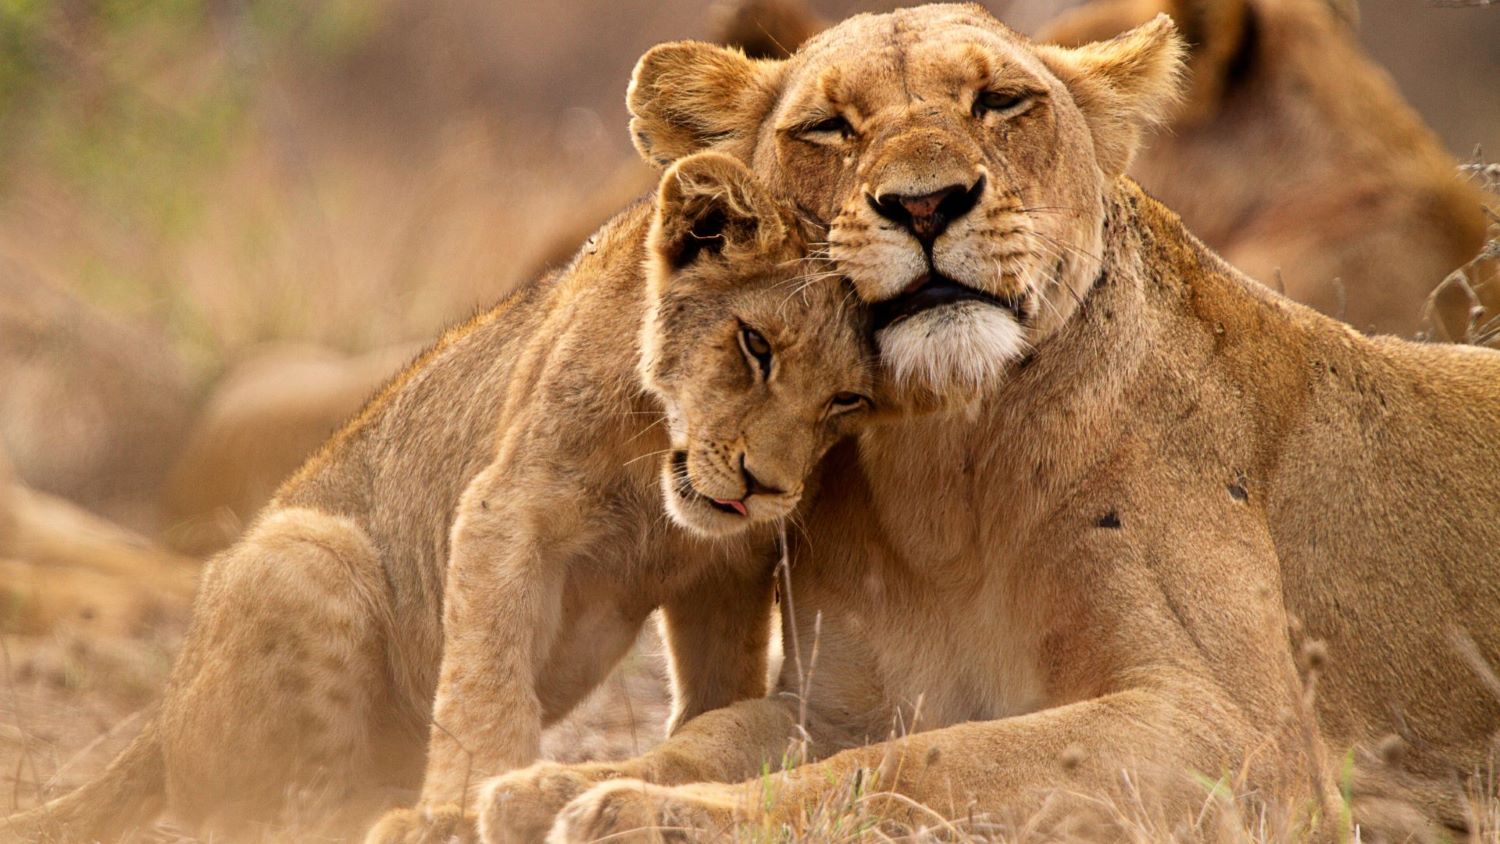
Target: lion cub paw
<point x="635" y="811"/>
<point x="446" y="824"/>
<point x="519" y="807"/>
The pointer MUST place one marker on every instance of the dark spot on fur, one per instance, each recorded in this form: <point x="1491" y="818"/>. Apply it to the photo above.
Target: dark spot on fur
<point x="1110" y="520"/>
<point x="1238" y="488"/>
<point x="484" y="505"/>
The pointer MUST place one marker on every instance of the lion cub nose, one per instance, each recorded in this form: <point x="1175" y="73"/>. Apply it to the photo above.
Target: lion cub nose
<point x="927" y="215"/>
<point x="754" y="485"/>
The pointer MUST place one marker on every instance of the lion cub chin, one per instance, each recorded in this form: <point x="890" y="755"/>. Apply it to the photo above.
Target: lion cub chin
<point x="753" y="359"/>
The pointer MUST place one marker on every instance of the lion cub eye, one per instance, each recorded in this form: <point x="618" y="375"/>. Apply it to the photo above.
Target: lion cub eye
<point x="1000" y="102"/>
<point x="847" y="402"/>
<point x="757" y="350"/>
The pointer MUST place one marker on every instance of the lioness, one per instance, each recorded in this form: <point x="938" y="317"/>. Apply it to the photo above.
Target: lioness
<point x="1160" y="488"/>
<point x="556" y="434"/>
<point x="1292" y="154"/>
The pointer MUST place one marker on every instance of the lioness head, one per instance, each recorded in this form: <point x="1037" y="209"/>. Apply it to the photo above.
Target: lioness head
<point x="755" y="350"/>
<point x="962" y="169"/>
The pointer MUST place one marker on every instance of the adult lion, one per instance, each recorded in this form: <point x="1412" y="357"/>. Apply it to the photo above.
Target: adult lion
<point x="1292" y="153"/>
<point x="1158" y="489"/>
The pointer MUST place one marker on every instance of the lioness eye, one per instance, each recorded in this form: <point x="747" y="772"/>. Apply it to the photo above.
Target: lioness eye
<point x="831" y="126"/>
<point x="845" y="402"/>
<point x="757" y="350"/>
<point x="998" y="101"/>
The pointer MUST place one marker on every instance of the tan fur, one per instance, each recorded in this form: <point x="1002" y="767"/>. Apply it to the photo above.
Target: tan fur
<point x="537" y="432"/>
<point x="7" y="501"/>
<point x="1116" y="561"/>
<point x="262" y="421"/>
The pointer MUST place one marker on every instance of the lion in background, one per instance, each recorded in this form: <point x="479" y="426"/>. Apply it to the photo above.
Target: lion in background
<point x="1294" y="156"/>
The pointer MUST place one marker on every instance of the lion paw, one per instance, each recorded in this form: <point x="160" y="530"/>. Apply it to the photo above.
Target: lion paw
<point x="635" y="811"/>
<point x="519" y="807"/>
<point x="446" y="824"/>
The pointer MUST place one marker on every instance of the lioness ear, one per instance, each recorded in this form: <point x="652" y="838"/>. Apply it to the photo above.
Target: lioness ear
<point x="1122" y="86"/>
<point x="768" y="29"/>
<point x="689" y="96"/>
<point x="710" y="203"/>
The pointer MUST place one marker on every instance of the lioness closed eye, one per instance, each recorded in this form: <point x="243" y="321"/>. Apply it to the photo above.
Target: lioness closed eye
<point x="629" y="405"/>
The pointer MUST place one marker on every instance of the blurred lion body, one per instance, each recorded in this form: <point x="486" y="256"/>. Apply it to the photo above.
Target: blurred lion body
<point x="262" y="421"/>
<point x="1295" y="157"/>
<point x="1131" y="549"/>
<point x="64" y="567"/>
<point x="91" y="409"/>
<point x="488" y="527"/>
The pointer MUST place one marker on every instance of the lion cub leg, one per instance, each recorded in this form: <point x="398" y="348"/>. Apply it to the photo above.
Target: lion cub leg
<point x="266" y="719"/>
<point x="502" y="611"/>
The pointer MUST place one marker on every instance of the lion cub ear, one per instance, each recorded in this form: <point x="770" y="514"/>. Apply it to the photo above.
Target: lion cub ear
<point x="1122" y="86"/>
<point x="688" y="96"/>
<point x="711" y="204"/>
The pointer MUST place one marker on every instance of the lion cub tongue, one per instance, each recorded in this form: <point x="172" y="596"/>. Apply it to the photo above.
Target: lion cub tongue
<point x="737" y="506"/>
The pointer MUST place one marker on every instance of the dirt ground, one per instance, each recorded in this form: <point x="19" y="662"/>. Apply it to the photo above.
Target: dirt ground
<point x="71" y="701"/>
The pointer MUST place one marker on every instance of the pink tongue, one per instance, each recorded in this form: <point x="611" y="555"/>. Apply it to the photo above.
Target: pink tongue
<point x="739" y="506"/>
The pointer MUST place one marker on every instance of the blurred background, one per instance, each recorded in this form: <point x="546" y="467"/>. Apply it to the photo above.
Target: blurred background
<point x="222" y="222"/>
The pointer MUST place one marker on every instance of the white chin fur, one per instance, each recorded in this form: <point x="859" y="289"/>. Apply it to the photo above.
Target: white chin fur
<point x="952" y="347"/>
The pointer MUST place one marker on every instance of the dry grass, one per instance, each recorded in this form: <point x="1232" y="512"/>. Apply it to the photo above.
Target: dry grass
<point x="1465" y="307"/>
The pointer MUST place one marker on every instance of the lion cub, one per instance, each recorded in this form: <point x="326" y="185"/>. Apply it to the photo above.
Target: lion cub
<point x="473" y="553"/>
<point x="561" y="545"/>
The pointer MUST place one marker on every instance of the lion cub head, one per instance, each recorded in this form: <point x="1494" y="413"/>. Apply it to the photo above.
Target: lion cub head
<point x="756" y="350"/>
<point x="962" y="169"/>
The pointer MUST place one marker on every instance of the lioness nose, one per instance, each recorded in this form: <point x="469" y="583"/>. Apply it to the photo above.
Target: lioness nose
<point x="927" y="215"/>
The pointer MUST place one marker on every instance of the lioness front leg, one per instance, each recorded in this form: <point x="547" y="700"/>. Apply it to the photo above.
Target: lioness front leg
<point x="724" y="745"/>
<point x="501" y="611"/>
<point x="1041" y="768"/>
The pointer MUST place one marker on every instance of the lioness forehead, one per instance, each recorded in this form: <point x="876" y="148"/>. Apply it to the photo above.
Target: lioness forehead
<point x="917" y="49"/>
<point x="863" y="30"/>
